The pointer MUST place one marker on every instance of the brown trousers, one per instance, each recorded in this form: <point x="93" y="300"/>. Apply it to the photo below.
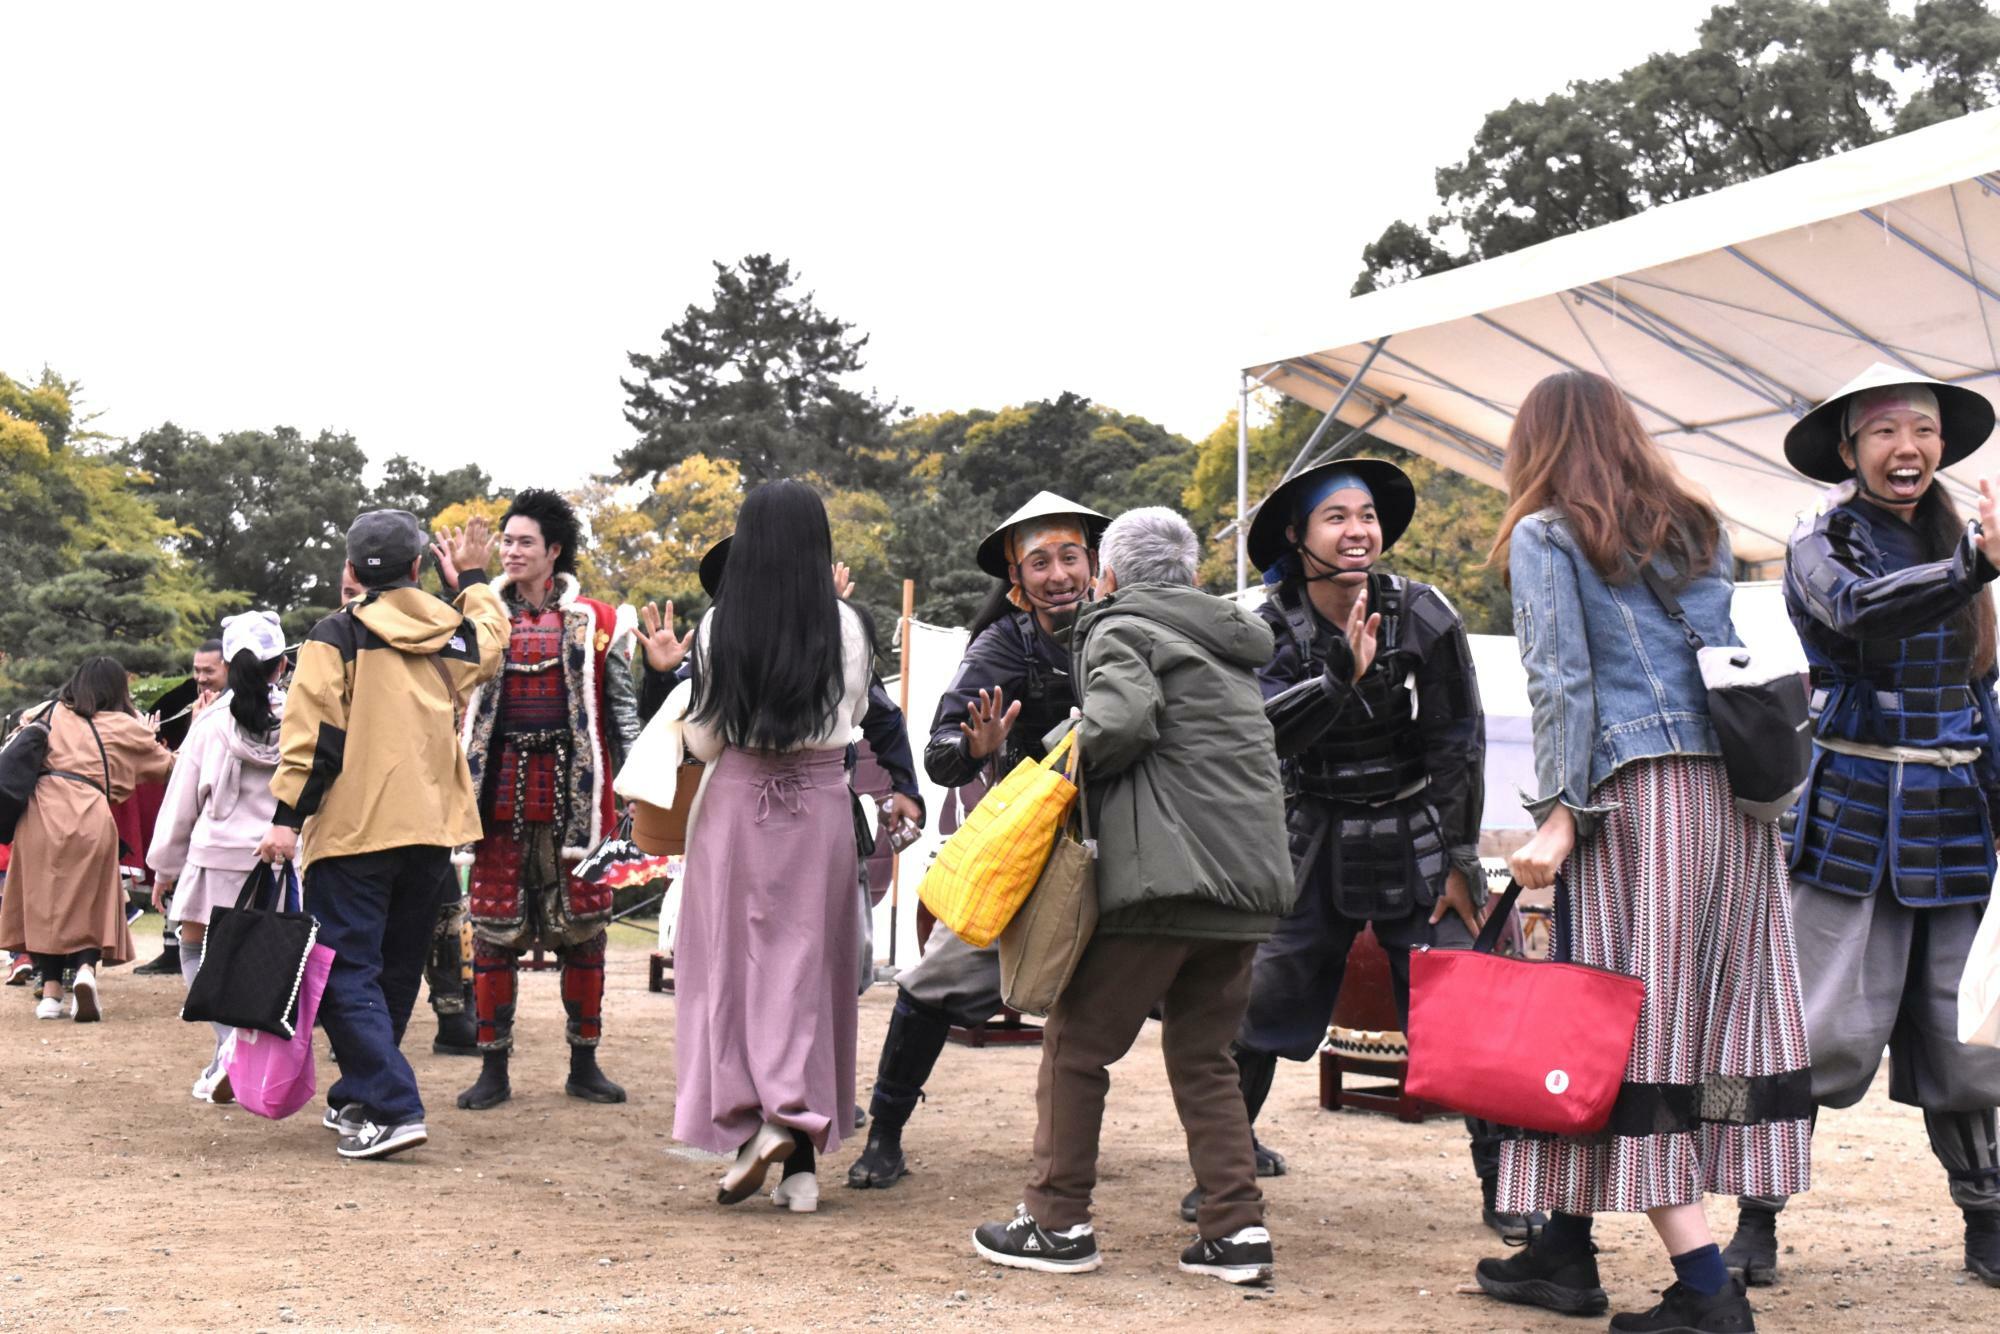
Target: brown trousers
<point x="1203" y="987"/>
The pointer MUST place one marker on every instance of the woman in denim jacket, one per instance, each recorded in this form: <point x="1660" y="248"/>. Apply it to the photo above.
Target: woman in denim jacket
<point x="1663" y="878"/>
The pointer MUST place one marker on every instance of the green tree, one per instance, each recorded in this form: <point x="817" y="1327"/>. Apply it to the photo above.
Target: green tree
<point x="408" y="485"/>
<point x="1769" y="84"/>
<point x="90" y="562"/>
<point x="757" y="378"/>
<point x="264" y="513"/>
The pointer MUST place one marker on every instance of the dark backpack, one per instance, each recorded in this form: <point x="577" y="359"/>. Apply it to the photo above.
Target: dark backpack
<point x="23" y="761"/>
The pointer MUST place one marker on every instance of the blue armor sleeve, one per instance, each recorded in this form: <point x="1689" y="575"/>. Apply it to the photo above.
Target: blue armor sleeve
<point x="1303" y="698"/>
<point x="1837" y="573"/>
<point x="889" y="737"/>
<point x="995" y="660"/>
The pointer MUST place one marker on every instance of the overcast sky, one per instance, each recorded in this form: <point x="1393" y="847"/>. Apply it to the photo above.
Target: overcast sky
<point x="441" y="227"/>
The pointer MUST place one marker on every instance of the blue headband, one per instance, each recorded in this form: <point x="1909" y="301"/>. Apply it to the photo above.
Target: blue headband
<point x="1311" y="497"/>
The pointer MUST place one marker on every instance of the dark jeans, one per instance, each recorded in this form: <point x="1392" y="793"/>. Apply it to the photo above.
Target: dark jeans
<point x="376" y="913"/>
<point x="1201" y="987"/>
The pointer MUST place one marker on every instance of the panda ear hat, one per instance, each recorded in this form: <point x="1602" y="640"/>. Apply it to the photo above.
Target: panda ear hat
<point x="1812" y="446"/>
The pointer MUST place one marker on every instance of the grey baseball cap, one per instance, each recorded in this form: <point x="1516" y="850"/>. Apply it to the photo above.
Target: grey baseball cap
<point x="379" y="541"/>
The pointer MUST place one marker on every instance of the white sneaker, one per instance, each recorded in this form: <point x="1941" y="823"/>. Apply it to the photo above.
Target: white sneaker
<point x="83" y="999"/>
<point x="771" y="1144"/>
<point x="212" y="1085"/>
<point x="48" y="1007"/>
<point x="798" y="1192"/>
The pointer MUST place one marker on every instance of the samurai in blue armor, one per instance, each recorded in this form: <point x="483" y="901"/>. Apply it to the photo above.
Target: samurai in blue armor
<point x="1892" y="842"/>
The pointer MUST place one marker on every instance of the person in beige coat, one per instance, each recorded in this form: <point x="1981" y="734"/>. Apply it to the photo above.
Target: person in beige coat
<point x="63" y="903"/>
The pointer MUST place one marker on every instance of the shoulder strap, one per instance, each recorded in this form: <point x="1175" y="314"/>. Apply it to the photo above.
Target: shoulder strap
<point x="102" y="758"/>
<point x="1665" y="594"/>
<point x="1299" y="620"/>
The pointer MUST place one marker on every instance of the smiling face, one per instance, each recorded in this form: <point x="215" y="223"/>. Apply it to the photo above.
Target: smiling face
<point x="210" y="672"/>
<point x="525" y="557"/>
<point x="1343" y="534"/>
<point x="1895" y="454"/>
<point x="1055" y="577"/>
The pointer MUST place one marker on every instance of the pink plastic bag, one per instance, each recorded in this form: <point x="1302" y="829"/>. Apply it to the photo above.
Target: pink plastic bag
<point x="274" y="1076"/>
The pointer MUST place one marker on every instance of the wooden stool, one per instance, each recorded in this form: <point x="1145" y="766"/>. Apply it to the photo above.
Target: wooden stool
<point x="1364" y="1040"/>
<point x="659" y="970"/>
<point x="1007" y="1029"/>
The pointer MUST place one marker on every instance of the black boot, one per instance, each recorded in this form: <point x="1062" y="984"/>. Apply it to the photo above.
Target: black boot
<point x="1515" y="1229"/>
<point x="1982" y="1245"/>
<point x="1752" y="1254"/>
<point x="456" y="1036"/>
<point x="167" y="965"/>
<point x="916" y="1037"/>
<point x="491" y="1088"/>
<point x="1561" y="1279"/>
<point x="586" y="1081"/>
<point x="1682" y="1310"/>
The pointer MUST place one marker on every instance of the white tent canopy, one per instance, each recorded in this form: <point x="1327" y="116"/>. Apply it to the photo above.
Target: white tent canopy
<point x="1723" y="318"/>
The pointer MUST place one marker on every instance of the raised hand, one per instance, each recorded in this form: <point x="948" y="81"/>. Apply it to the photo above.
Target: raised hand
<point x="1363" y="633"/>
<point x="1989" y="518"/>
<point x="843" y="582"/>
<point x="472" y="545"/>
<point x="656" y="635"/>
<point x="447" y="567"/>
<point x="990" y="721"/>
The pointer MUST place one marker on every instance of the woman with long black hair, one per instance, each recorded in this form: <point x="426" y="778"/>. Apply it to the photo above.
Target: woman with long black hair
<point x="765" y="1006"/>
<point x="63" y="904"/>
<point x="219" y="803"/>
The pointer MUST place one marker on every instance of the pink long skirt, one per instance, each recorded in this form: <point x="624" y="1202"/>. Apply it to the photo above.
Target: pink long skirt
<point x="764" y="1004"/>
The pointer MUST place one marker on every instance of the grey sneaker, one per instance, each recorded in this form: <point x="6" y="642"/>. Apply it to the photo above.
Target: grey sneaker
<point x="344" y="1121"/>
<point x="376" y="1141"/>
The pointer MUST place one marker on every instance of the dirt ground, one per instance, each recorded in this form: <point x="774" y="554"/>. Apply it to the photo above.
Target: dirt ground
<point x="132" y="1207"/>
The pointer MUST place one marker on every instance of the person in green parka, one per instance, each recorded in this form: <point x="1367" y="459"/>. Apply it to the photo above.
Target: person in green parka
<point x="1180" y="772"/>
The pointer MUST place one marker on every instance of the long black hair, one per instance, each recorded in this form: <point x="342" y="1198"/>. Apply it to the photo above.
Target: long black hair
<point x="98" y="685"/>
<point x="556" y="518"/>
<point x="769" y="673"/>
<point x="1938" y="522"/>
<point x="250" y="692"/>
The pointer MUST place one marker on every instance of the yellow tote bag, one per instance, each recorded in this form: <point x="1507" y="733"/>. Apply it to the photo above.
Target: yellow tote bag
<point x="987" y="868"/>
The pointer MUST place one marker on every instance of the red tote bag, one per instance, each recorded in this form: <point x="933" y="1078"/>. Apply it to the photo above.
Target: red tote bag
<point x="1542" y="1046"/>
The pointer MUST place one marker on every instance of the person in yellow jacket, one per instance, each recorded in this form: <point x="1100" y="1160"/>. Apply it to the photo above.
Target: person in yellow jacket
<point x="371" y="769"/>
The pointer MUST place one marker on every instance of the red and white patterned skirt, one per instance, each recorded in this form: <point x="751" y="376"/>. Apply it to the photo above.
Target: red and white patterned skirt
<point x="1680" y="890"/>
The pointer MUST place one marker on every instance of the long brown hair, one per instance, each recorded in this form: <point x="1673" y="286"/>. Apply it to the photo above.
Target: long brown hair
<point x="1577" y="447"/>
<point x="98" y="685"/>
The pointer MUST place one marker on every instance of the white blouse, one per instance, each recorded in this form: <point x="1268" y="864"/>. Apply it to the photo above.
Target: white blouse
<point x="705" y="743"/>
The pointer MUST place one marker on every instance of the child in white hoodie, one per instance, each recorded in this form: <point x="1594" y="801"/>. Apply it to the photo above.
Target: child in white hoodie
<point x="219" y="803"/>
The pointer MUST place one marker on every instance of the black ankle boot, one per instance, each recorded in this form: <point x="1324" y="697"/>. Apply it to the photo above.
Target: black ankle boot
<point x="1752" y="1254"/>
<point x="491" y="1088"/>
<point x="456" y="1036"/>
<point x="1517" y="1229"/>
<point x="909" y="1051"/>
<point x="586" y="1081"/>
<point x="1539" y="1274"/>
<point x="1982" y="1245"/>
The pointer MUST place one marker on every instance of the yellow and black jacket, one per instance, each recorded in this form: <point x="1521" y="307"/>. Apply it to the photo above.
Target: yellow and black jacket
<point x="369" y="747"/>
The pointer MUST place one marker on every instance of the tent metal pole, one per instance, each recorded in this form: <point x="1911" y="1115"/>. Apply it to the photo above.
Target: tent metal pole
<point x="1472" y="446"/>
<point x="1852" y="329"/>
<point x="1687" y="427"/>
<point x="1333" y="413"/>
<point x="1242" y="480"/>
<point x="1930" y="254"/>
<point x="1758" y="383"/>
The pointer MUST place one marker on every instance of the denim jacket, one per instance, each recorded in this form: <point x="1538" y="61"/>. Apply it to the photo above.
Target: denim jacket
<point x="1610" y="677"/>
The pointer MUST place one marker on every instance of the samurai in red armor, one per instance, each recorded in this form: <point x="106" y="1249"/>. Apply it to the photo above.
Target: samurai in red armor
<point x="542" y="743"/>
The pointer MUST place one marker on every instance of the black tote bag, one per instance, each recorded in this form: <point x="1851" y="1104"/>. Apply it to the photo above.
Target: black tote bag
<point x="254" y="959"/>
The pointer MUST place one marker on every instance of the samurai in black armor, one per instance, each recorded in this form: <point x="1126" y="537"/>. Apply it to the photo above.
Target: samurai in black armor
<point x="1891" y="844"/>
<point x="1384" y="775"/>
